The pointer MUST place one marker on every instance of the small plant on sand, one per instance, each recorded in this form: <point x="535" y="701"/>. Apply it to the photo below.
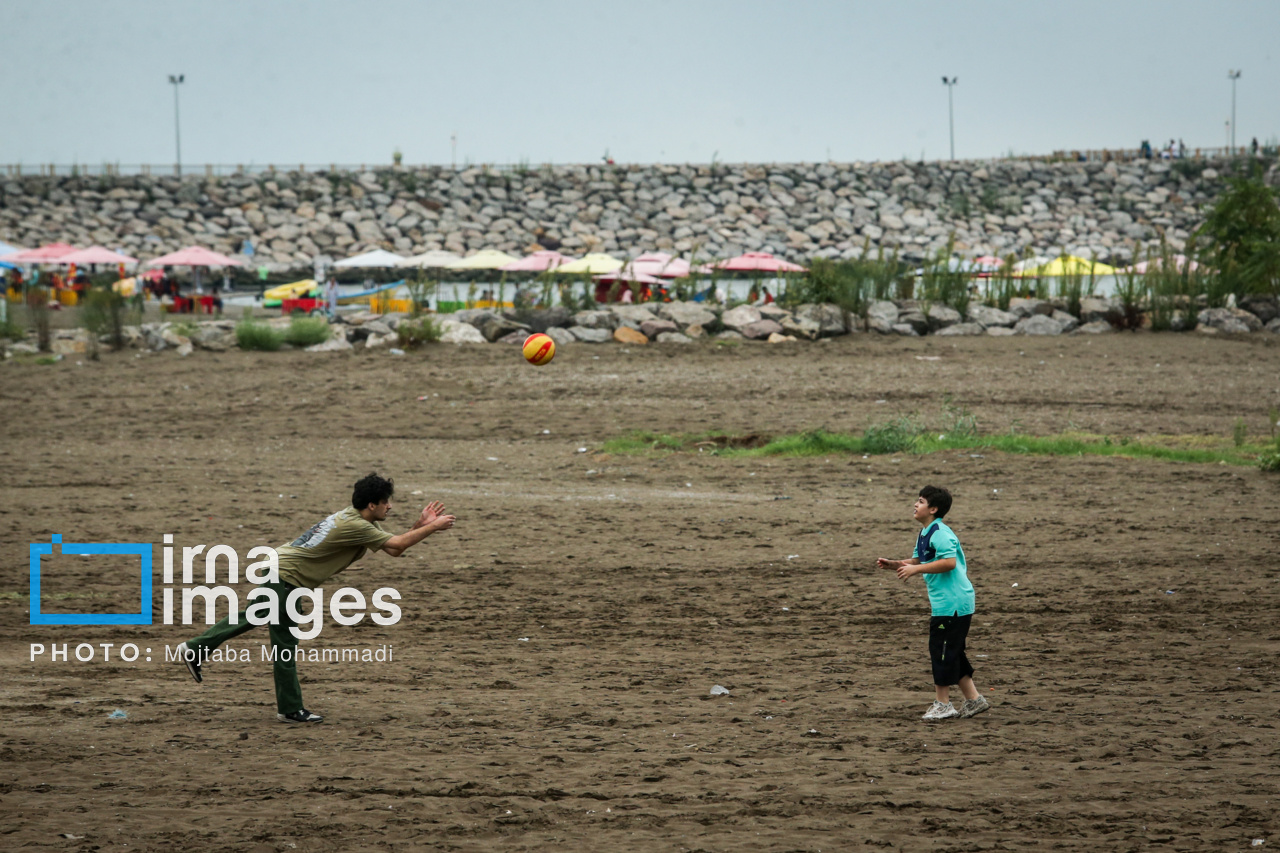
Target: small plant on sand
<point x="307" y="331"/>
<point x="418" y="331"/>
<point x="252" y="335"/>
<point x="957" y="421"/>
<point x="896" y="436"/>
<point x="38" y="311"/>
<point x="1239" y="432"/>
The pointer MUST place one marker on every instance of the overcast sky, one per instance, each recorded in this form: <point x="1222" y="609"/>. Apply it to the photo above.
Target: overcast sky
<point x="665" y="80"/>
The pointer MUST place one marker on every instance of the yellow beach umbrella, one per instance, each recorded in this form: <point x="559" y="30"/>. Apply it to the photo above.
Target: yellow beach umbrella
<point x="1071" y="265"/>
<point x="487" y="259"/>
<point x="595" y="264"/>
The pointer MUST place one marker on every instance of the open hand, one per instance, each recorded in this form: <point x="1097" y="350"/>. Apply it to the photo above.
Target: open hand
<point x="886" y="563"/>
<point x="433" y="516"/>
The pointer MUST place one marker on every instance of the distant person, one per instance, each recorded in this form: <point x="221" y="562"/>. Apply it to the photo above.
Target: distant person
<point x="626" y="295"/>
<point x="1255" y="146"/>
<point x="331" y="296"/>
<point x="939" y="557"/>
<point x="1182" y="149"/>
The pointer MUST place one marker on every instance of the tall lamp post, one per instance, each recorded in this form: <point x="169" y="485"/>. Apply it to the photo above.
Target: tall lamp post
<point x="950" y="83"/>
<point x="1233" y="76"/>
<point x="176" y="80"/>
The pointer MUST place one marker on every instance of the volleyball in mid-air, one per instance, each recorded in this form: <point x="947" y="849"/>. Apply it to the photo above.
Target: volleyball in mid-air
<point x="539" y="349"/>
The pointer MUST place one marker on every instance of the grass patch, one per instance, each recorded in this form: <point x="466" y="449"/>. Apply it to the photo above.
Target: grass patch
<point x="307" y="331"/>
<point x="252" y="335"/>
<point x="903" y="436"/>
<point x="417" y="332"/>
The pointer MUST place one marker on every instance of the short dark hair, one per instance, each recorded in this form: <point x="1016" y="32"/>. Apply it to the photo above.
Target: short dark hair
<point x="938" y="498"/>
<point x="371" y="489"/>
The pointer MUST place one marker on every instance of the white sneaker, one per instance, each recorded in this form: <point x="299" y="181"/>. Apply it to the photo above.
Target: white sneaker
<point x="940" y="711"/>
<point x="973" y="707"/>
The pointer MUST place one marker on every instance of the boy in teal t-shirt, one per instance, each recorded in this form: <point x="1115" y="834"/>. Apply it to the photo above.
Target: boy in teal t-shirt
<point x="939" y="557"/>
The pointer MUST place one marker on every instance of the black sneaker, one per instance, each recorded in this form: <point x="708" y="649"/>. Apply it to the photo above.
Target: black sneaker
<point x="302" y="715"/>
<point x="189" y="657"/>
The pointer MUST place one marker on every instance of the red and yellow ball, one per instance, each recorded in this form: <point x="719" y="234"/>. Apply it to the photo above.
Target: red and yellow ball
<point x="539" y="349"/>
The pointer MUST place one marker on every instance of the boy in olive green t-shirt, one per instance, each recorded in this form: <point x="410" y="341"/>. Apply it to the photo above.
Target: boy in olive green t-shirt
<point x="307" y="562"/>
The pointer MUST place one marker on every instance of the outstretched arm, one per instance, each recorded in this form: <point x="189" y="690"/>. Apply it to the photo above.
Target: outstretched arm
<point x="886" y="563"/>
<point x="915" y="567"/>
<point x="429" y="521"/>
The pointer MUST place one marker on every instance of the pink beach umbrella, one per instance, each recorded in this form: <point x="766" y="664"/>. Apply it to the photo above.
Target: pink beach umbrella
<point x="758" y="262"/>
<point x="537" y="262"/>
<point x="1181" y="263"/>
<point x="47" y="253"/>
<point x="96" y="255"/>
<point x="626" y="275"/>
<point x="194" y="256"/>
<point x="658" y="264"/>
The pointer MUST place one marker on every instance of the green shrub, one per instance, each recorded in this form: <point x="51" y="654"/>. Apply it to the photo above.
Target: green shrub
<point x="251" y="335"/>
<point x="307" y="331"/>
<point x="941" y="283"/>
<point x="957" y="421"/>
<point x="1270" y="461"/>
<point x="414" y="333"/>
<point x="899" y="436"/>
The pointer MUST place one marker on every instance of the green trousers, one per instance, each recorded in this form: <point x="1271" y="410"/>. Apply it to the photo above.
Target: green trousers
<point x="285" y="645"/>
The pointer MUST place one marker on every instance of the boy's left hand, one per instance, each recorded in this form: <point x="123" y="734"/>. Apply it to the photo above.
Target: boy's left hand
<point x="906" y="570"/>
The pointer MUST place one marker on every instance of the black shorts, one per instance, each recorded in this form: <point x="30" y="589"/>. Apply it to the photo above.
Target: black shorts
<point x="946" y="649"/>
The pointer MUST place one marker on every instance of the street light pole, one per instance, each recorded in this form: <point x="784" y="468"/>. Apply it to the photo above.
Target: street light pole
<point x="950" y="83"/>
<point x="176" y="80"/>
<point x="1233" y="76"/>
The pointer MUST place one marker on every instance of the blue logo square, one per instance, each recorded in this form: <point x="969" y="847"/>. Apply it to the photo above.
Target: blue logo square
<point x="142" y="617"/>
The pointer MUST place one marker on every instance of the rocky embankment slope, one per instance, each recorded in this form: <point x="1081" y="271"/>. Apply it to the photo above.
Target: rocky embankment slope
<point x="794" y="210"/>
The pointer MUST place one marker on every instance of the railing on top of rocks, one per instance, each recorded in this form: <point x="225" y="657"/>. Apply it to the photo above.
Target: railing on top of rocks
<point x="210" y="170"/>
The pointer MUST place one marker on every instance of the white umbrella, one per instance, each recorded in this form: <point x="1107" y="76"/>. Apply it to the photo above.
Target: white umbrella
<point x="377" y="258"/>
<point x="435" y="259"/>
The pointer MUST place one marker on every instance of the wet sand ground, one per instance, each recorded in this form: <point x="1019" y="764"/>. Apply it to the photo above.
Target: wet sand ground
<point x="551" y="674"/>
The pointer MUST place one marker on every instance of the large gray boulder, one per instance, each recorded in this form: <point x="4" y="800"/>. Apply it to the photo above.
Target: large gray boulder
<point x="961" y="329"/>
<point x="685" y="314"/>
<point x="1274" y="326"/>
<point x="543" y="318"/>
<point x="1024" y="307"/>
<point x="474" y="316"/>
<point x="1067" y="322"/>
<point x="989" y="317"/>
<point x="830" y="318"/>
<point x="595" y="320"/>
<point x="636" y="314"/>
<point x="561" y="336"/>
<point x="761" y="329"/>
<point x="653" y="328"/>
<point x="1262" y="307"/>
<point x="917" y="321"/>
<point x="738" y="318"/>
<point x="1093" y="309"/>
<point x="1230" y="320"/>
<point x="588" y="335"/>
<point x="1037" y="324"/>
<point x="801" y="327"/>
<point x="940" y="316"/>
<point x="495" y="327"/>
<point x="456" y="332"/>
<point x="338" y="343"/>
<point x="881" y="316"/>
